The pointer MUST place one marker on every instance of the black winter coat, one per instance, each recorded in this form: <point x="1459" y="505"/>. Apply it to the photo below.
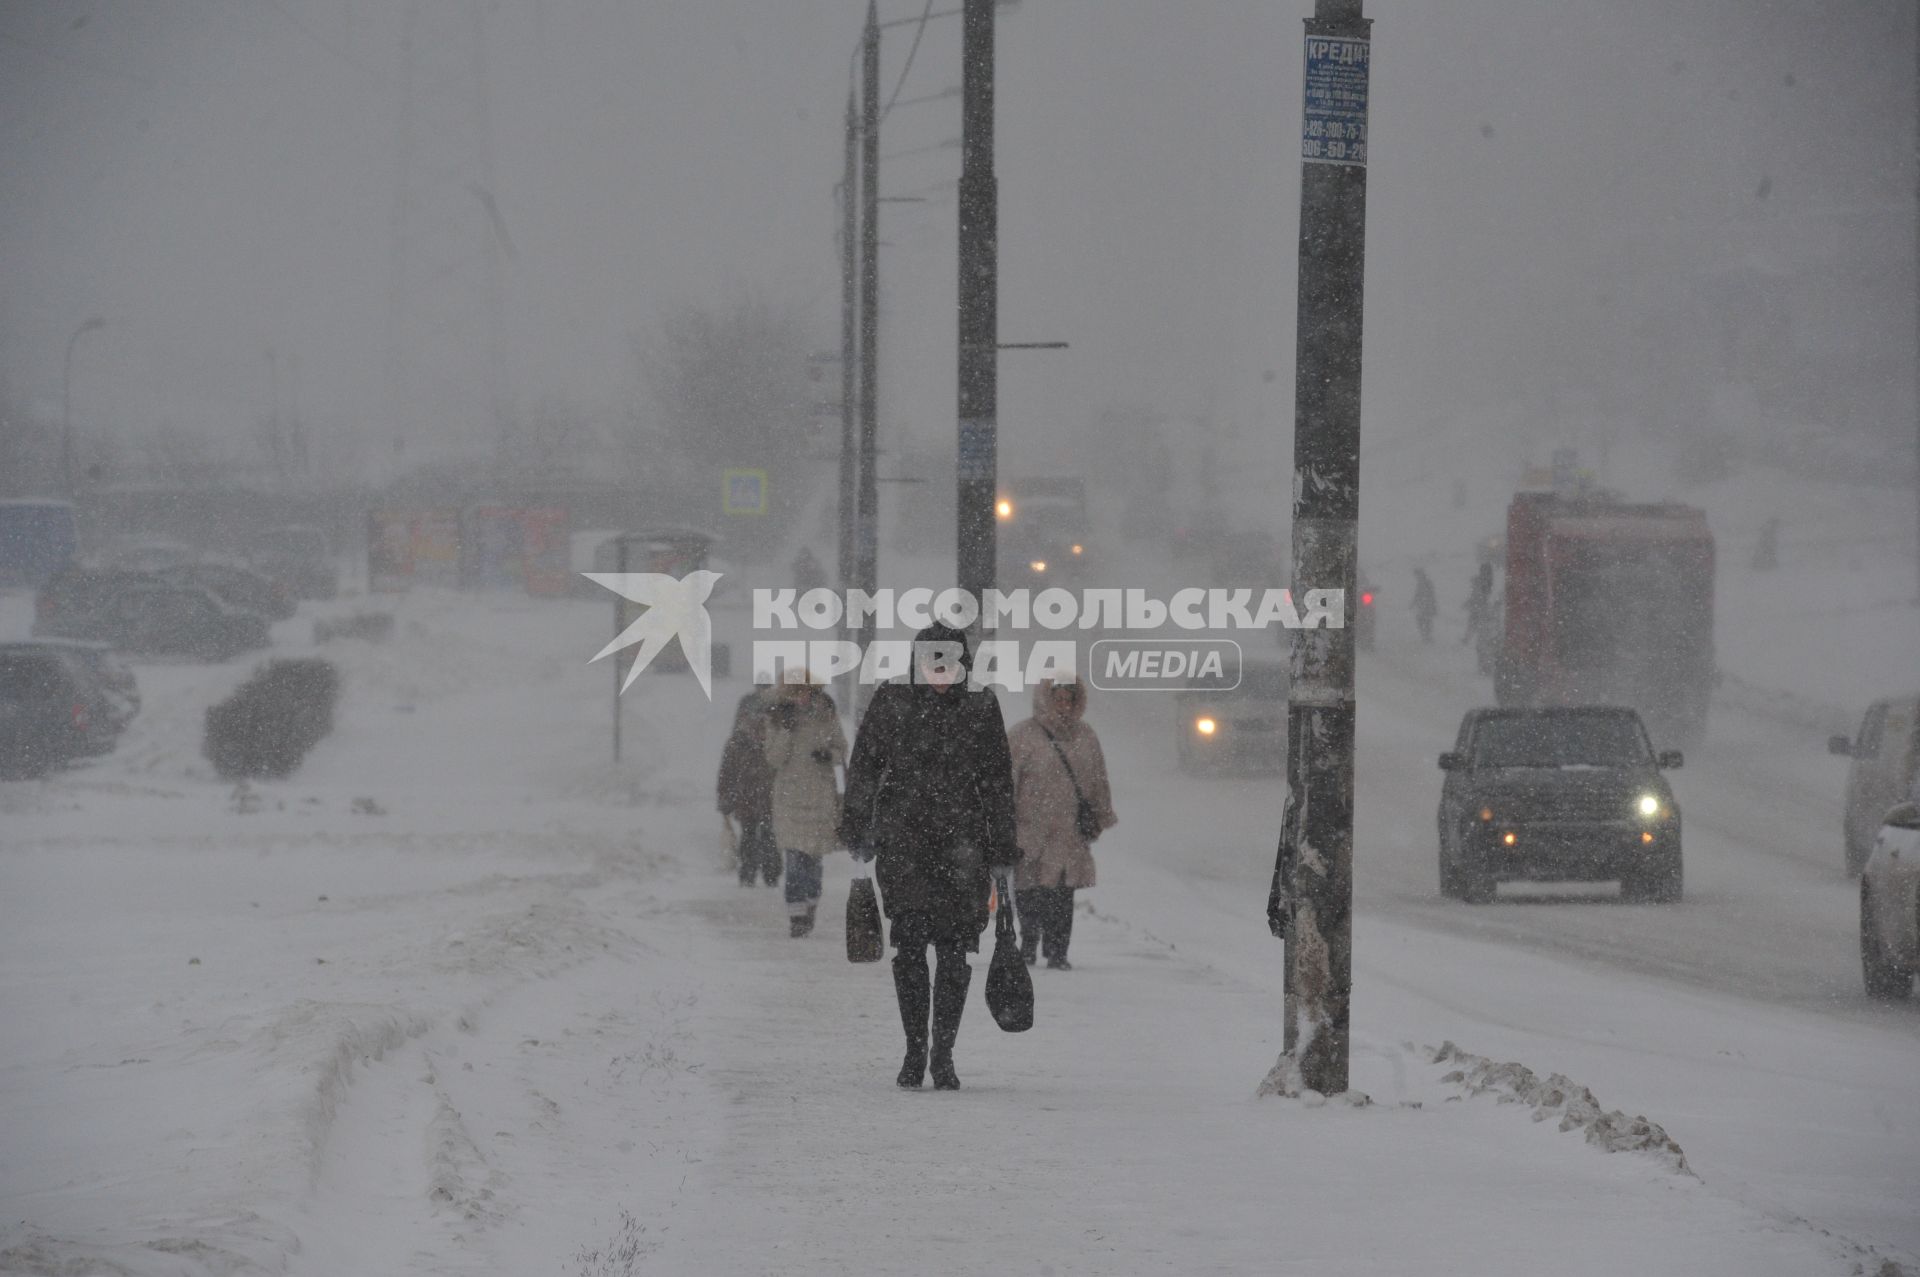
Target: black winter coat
<point x="745" y="787"/>
<point x="930" y="791"/>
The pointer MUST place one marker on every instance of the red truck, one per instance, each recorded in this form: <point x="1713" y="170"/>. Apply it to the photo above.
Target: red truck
<point x="1609" y="602"/>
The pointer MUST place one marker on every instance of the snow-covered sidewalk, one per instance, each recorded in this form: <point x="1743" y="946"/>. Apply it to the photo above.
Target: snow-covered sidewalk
<point x="1122" y="1135"/>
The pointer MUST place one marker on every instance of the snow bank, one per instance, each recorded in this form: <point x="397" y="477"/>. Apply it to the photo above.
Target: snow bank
<point x="1559" y="1096"/>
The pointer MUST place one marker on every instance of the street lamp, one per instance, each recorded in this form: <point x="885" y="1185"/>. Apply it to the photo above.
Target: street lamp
<point x="859" y="498"/>
<point x="66" y="402"/>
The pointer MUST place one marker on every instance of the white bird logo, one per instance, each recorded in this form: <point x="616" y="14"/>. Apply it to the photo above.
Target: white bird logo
<point x="674" y="607"/>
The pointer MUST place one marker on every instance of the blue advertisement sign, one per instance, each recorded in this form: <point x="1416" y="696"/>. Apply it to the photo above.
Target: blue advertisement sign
<point x="1334" y="126"/>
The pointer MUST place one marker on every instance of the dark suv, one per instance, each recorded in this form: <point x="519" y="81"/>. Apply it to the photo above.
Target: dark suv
<point x="1553" y="795"/>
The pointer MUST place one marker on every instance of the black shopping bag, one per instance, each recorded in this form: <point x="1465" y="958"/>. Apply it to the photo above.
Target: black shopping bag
<point x="864" y="942"/>
<point x="1009" y="983"/>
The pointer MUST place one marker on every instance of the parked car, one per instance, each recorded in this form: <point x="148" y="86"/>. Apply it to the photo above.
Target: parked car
<point x="1885" y="754"/>
<point x="1569" y="793"/>
<point x="38" y="539"/>
<point x="69" y="605"/>
<point x="112" y="696"/>
<point x="300" y="559"/>
<point x="137" y="613"/>
<point x="1243" y="728"/>
<point x="146" y="554"/>
<point x="1890" y="906"/>
<point x="235" y="586"/>
<point x="44" y="716"/>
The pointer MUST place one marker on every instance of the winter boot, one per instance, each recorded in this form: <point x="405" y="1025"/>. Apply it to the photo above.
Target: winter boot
<point x="949" y="1003"/>
<point x="911" y="986"/>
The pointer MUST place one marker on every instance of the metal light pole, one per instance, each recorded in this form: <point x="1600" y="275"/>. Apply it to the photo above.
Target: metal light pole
<point x="867" y="524"/>
<point x="276" y="445"/>
<point x="847" y="566"/>
<point x="849" y="332"/>
<point x="66" y="402"/>
<point x="1313" y="887"/>
<point x="978" y="451"/>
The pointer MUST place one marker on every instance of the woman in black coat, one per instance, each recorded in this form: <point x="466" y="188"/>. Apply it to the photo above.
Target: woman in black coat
<point x="930" y="797"/>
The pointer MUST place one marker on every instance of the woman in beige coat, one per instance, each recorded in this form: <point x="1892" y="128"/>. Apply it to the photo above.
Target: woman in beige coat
<point x="804" y="742"/>
<point x="1057" y="763"/>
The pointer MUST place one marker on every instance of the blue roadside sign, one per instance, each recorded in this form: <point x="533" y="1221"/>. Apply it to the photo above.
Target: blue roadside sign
<point x="745" y="492"/>
<point x="1334" y="125"/>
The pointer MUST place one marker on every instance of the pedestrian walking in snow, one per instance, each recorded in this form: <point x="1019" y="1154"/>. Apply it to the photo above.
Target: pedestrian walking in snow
<point x="1426" y="604"/>
<point x="1061" y="803"/>
<point x="1479" y="604"/>
<point x="807" y="572"/>
<point x="746" y="792"/>
<point x="1766" y="551"/>
<point x="930" y="799"/>
<point x="804" y="743"/>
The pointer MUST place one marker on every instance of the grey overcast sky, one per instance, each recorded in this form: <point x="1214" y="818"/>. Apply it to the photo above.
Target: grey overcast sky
<point x="218" y="177"/>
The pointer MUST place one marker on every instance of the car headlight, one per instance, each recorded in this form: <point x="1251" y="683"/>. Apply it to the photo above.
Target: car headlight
<point x="1038" y="565"/>
<point x="1648" y="805"/>
<point x="1205" y="726"/>
<point x="1078" y="549"/>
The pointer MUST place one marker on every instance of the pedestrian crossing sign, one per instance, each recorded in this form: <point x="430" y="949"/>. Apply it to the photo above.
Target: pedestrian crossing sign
<point x="744" y="492"/>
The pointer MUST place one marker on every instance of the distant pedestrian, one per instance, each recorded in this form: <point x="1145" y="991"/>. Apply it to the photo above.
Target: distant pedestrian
<point x="1061" y="803"/>
<point x="804" y="743"/>
<point x="807" y="572"/>
<point x="1426" y="604"/>
<point x="930" y="797"/>
<point x="746" y="792"/>
<point x="1766" y="551"/>
<point x="1479" y="604"/>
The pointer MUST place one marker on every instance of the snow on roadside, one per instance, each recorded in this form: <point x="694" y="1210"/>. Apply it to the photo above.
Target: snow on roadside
<point x="1557" y="1095"/>
<point x="192" y="985"/>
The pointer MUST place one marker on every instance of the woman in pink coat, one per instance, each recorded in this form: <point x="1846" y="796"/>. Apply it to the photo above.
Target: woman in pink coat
<point x="1061" y="802"/>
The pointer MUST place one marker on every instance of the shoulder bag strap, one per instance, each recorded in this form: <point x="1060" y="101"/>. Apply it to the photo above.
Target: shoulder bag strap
<point x="1071" y="778"/>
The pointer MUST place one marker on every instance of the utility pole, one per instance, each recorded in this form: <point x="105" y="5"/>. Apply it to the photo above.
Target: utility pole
<point x="1313" y="897"/>
<point x="446" y="329"/>
<point x="1916" y="438"/>
<point x="66" y="403"/>
<point x="867" y="524"/>
<point x="849" y="335"/>
<point x="276" y="439"/>
<point x="979" y="195"/>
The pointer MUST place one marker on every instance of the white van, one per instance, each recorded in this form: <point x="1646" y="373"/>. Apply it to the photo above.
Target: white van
<point x="1884" y="753"/>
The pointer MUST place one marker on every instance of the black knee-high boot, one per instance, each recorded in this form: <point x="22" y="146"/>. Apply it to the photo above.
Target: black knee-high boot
<point x="949" y="1002"/>
<point x="911" y="986"/>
